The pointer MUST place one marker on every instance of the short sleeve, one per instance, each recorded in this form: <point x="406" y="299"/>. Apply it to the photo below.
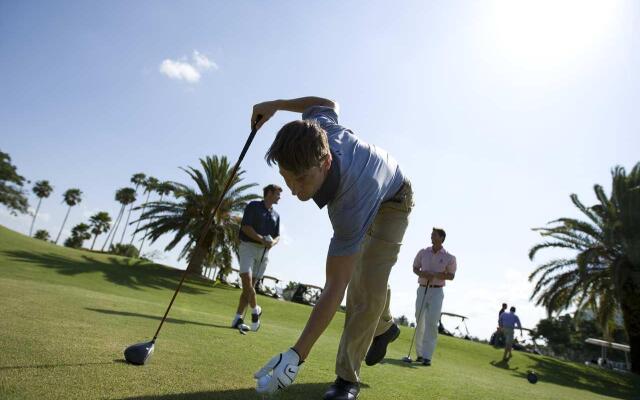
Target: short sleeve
<point x="322" y="114"/>
<point x="417" y="261"/>
<point x="346" y="240"/>
<point x="453" y="265"/>
<point x="350" y="221"/>
<point x="248" y="217"/>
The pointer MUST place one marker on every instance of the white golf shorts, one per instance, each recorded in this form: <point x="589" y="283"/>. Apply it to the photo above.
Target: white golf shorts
<point x="253" y="259"/>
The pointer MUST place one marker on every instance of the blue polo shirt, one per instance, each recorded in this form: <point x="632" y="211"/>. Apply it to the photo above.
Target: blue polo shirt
<point x="361" y="177"/>
<point x="509" y="320"/>
<point x="262" y="220"/>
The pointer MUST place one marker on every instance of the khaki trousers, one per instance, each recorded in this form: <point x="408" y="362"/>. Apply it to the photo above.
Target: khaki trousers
<point x="368" y="294"/>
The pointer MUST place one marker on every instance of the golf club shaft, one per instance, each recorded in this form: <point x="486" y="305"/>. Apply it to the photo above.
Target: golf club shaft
<point x="199" y="252"/>
<point x="418" y="320"/>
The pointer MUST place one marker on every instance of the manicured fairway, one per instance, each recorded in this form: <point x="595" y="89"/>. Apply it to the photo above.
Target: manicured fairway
<point x="68" y="314"/>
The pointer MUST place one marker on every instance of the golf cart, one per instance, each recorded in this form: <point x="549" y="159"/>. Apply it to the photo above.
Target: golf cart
<point x="603" y="361"/>
<point x="457" y="332"/>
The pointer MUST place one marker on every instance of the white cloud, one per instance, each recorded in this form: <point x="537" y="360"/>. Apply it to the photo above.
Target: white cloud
<point x="182" y="69"/>
<point x="179" y="70"/>
<point x="202" y="62"/>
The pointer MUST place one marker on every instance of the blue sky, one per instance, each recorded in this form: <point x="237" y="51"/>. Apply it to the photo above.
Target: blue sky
<point x="496" y="110"/>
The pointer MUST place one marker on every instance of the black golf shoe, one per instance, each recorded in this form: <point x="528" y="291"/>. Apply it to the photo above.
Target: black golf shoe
<point x="342" y="390"/>
<point x="419" y="360"/>
<point x="426" y="362"/>
<point x="255" y="320"/>
<point x="237" y="322"/>
<point x="378" y="347"/>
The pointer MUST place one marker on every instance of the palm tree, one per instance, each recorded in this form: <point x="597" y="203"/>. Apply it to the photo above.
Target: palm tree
<point x="124" y="196"/>
<point x="71" y="197"/>
<point x="149" y="185"/>
<point x="128" y="196"/>
<point x="604" y="274"/>
<point x="164" y="188"/>
<point x="100" y="223"/>
<point x="42" y="234"/>
<point x="79" y="234"/>
<point x="187" y="216"/>
<point x="11" y="194"/>
<point x="42" y="189"/>
<point x="137" y="179"/>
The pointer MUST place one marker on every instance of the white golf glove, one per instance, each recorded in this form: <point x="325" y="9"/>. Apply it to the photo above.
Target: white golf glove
<point x="279" y="372"/>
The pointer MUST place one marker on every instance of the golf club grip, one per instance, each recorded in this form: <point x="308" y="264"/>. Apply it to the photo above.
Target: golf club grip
<point x="199" y="252"/>
<point x="249" y="140"/>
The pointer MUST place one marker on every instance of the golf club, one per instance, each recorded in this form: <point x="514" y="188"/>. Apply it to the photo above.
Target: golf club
<point x="408" y="358"/>
<point x="140" y="353"/>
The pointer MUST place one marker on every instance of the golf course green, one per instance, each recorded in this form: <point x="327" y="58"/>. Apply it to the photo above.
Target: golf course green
<point x="68" y="314"/>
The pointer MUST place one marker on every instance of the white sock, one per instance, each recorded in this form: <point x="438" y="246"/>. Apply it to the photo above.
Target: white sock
<point x="256" y="310"/>
<point x="238" y="315"/>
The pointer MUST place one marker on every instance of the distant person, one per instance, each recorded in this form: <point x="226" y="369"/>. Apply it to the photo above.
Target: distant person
<point x="503" y="309"/>
<point x="508" y="322"/>
<point x="259" y="232"/>
<point x="498" y="335"/>
<point x="433" y="265"/>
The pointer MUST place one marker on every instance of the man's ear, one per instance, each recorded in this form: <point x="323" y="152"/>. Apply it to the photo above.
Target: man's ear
<point x="326" y="164"/>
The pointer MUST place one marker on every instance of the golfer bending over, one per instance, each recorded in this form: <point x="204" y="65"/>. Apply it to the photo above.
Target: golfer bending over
<point x="368" y="200"/>
<point x="259" y="231"/>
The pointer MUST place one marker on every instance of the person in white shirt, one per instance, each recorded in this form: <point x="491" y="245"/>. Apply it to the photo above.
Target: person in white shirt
<point x="433" y="265"/>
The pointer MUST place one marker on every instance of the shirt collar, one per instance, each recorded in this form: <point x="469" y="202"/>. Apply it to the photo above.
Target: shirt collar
<point x="264" y="205"/>
<point x="442" y="250"/>
<point x="329" y="187"/>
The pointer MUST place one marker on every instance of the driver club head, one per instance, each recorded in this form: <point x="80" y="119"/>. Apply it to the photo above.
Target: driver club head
<point x="407" y="359"/>
<point x="139" y="353"/>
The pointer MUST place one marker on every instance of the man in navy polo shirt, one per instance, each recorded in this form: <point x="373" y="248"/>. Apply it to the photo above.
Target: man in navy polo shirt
<point x="259" y="232"/>
<point x="368" y="201"/>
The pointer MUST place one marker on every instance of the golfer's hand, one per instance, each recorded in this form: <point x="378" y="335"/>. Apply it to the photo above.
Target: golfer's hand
<point x="278" y="373"/>
<point x="265" y="110"/>
<point x="427" y="275"/>
<point x="267" y="241"/>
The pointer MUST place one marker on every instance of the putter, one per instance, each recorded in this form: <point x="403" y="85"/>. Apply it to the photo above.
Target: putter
<point x="140" y="353"/>
<point x="408" y="358"/>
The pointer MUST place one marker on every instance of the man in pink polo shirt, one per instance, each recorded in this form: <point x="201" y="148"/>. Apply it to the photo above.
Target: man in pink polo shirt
<point x="433" y="265"/>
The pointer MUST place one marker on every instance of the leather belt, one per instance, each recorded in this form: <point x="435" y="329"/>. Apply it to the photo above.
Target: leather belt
<point x="432" y="286"/>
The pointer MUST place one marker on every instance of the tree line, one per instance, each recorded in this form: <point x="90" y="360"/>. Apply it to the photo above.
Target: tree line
<point x="179" y="209"/>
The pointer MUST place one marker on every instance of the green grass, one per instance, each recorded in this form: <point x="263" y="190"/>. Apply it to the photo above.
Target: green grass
<point x="68" y="314"/>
